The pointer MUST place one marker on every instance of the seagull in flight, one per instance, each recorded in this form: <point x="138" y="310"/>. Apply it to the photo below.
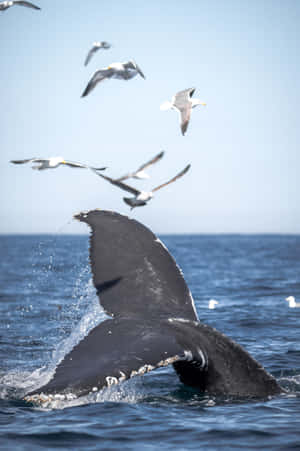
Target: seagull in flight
<point x="141" y="197"/>
<point x="183" y="103"/>
<point x="53" y="162"/>
<point x="96" y="46"/>
<point x="122" y="71"/>
<point x="140" y="173"/>
<point x="8" y="4"/>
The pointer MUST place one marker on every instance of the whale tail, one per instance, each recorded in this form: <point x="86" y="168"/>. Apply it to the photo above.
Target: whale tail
<point x="153" y="322"/>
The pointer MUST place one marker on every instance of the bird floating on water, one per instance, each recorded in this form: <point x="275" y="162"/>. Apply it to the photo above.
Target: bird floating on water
<point x="141" y="197"/>
<point x="122" y="71"/>
<point x="183" y="103"/>
<point x="8" y="4"/>
<point x="96" y="46"/>
<point x="54" y="162"/>
<point x="212" y="304"/>
<point x="292" y="302"/>
<point x="140" y="173"/>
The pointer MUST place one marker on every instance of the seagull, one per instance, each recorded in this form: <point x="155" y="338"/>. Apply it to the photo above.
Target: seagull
<point x="183" y="103"/>
<point x="141" y="197"/>
<point x="6" y="5"/>
<point x="53" y="162"/>
<point x="96" y="46"/>
<point x="140" y="173"/>
<point x="212" y="304"/>
<point x="292" y="302"/>
<point x="124" y="71"/>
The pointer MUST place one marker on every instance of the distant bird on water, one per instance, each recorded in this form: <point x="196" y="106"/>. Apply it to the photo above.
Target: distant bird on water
<point x="140" y="173"/>
<point x="54" y="162"/>
<point x="122" y="71"/>
<point x="141" y="197"/>
<point x="8" y="4"/>
<point x="183" y="103"/>
<point x="96" y="46"/>
<point x="292" y="302"/>
<point x="212" y="304"/>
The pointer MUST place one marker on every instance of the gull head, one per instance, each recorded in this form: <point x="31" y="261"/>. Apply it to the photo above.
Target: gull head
<point x="166" y="106"/>
<point x="196" y="102"/>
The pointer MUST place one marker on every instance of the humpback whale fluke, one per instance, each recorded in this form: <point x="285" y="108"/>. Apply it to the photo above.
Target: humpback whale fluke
<point x="154" y="323"/>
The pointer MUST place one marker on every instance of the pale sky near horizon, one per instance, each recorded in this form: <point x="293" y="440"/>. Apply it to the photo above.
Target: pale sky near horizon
<point x="242" y="57"/>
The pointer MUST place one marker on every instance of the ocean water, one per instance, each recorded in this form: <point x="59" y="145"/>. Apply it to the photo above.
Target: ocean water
<point x="48" y="303"/>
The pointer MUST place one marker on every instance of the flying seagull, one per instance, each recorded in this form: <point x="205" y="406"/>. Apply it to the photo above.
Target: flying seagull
<point x="183" y="103"/>
<point x="122" y="71"/>
<point x="140" y="173"/>
<point x="141" y="197"/>
<point x="54" y="162"/>
<point x="95" y="48"/>
<point x="8" y="4"/>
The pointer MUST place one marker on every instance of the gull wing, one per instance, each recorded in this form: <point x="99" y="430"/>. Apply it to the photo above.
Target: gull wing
<point x="28" y="160"/>
<point x="27" y="4"/>
<point x="114" y="351"/>
<point x="98" y="76"/>
<point x="144" y="166"/>
<point x="121" y="185"/>
<point x="73" y="164"/>
<point x="185" y="115"/>
<point x="132" y="65"/>
<point x="152" y="161"/>
<point x="133" y="272"/>
<point x="93" y="50"/>
<point x="182" y="103"/>
<point x="180" y="174"/>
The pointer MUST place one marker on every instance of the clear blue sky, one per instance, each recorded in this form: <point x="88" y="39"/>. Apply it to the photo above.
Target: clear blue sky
<point x="243" y="58"/>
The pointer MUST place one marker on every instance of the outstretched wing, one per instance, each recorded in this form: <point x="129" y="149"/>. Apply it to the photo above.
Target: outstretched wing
<point x="27" y="4"/>
<point x="152" y="161"/>
<point x="93" y="50"/>
<point x="132" y="65"/>
<point x="133" y="272"/>
<point x="141" y="168"/>
<point x="180" y="174"/>
<point x="28" y="160"/>
<point x="98" y="76"/>
<point x="113" y="352"/>
<point x="183" y="105"/>
<point x="121" y="185"/>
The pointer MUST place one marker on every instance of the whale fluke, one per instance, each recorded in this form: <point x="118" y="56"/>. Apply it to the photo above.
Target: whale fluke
<point x="133" y="272"/>
<point x="153" y="324"/>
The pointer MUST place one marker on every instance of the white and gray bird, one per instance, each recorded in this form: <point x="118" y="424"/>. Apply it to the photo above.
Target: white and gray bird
<point x="8" y="4"/>
<point x="122" y="71"/>
<point x="183" y="103"/>
<point x="54" y="162"/>
<point x="212" y="304"/>
<point x="292" y="302"/>
<point x="140" y="172"/>
<point x="141" y="197"/>
<point x="96" y="46"/>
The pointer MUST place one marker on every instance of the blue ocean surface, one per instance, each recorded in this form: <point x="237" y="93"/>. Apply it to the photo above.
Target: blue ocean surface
<point x="48" y="303"/>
